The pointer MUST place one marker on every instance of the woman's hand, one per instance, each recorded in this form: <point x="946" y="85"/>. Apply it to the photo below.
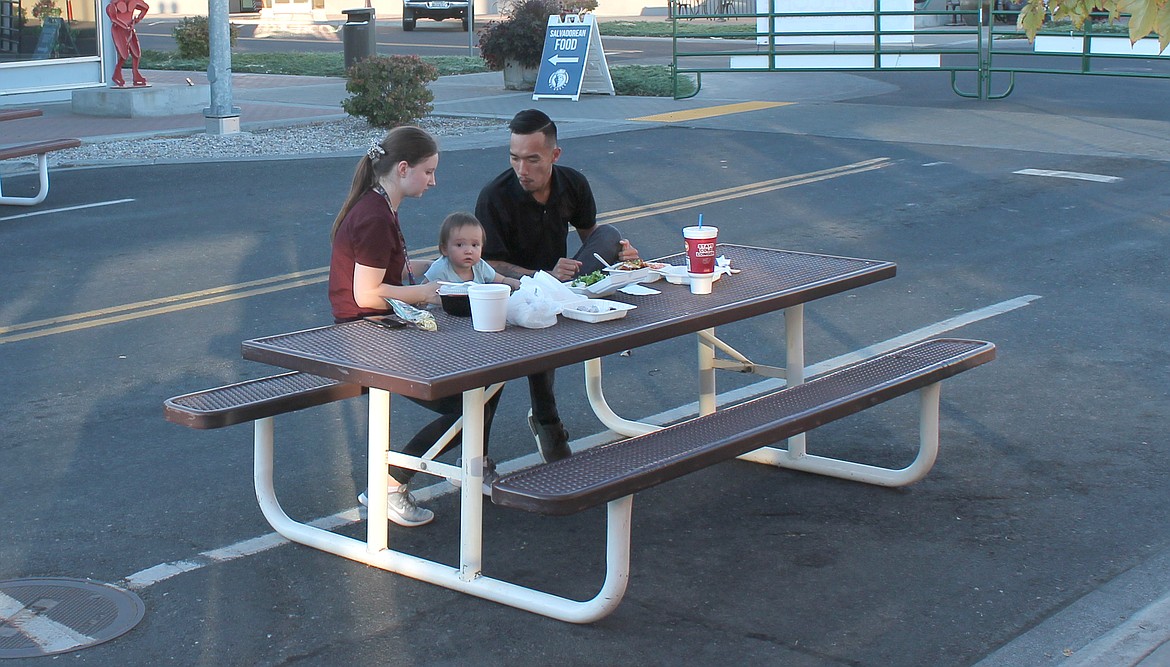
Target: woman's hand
<point x="424" y="293"/>
<point x="370" y="292"/>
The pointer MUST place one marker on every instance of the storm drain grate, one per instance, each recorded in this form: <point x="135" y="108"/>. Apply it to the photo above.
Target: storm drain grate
<point x="43" y="616"/>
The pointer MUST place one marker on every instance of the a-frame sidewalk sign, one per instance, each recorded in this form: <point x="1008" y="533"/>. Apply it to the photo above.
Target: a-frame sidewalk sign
<point x="573" y="61"/>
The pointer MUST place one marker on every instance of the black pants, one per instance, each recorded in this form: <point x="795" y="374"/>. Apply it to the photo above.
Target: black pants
<point x="605" y="241"/>
<point x="544" y="401"/>
<point x="450" y="409"/>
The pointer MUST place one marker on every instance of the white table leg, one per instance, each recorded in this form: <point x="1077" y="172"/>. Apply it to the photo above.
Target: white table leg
<point x="794" y="364"/>
<point x="471" y="490"/>
<point x="378" y="470"/>
<point x="706" y="372"/>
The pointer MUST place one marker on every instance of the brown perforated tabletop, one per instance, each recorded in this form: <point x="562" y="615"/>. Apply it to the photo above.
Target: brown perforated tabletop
<point x="432" y="364"/>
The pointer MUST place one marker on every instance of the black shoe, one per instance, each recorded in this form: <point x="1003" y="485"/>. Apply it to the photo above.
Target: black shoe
<point x="552" y="440"/>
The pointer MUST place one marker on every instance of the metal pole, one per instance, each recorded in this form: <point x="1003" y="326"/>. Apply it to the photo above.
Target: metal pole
<point x="222" y="117"/>
<point x="471" y="27"/>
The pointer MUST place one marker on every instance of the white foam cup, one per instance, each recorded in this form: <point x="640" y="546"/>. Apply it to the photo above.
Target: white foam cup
<point x="489" y="306"/>
<point x="701" y="282"/>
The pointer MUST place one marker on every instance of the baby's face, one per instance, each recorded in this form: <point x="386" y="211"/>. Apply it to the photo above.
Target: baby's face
<point x="465" y="246"/>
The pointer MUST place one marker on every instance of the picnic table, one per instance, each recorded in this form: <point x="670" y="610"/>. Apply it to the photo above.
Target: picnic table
<point x="346" y="358"/>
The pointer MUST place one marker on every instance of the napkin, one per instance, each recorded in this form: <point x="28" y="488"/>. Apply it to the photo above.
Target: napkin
<point x="723" y="265"/>
<point x="635" y="289"/>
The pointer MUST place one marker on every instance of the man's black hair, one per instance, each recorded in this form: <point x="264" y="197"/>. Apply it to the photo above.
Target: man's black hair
<point x="531" y="121"/>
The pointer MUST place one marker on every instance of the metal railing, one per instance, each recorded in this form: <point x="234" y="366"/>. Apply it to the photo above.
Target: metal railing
<point x="977" y="46"/>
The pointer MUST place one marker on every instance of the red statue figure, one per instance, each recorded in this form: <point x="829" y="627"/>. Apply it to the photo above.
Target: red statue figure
<point x="124" y="14"/>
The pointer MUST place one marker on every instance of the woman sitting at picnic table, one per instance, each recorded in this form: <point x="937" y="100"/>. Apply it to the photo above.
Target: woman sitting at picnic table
<point x="370" y="263"/>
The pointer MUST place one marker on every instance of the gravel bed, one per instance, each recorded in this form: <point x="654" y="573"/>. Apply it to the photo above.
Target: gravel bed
<point x="337" y="136"/>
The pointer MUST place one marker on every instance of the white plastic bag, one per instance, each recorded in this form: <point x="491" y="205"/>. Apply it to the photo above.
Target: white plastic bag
<point x="528" y="308"/>
<point x="549" y="287"/>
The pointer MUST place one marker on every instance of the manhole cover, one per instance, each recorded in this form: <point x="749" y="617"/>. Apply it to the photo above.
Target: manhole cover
<point x="43" y="616"/>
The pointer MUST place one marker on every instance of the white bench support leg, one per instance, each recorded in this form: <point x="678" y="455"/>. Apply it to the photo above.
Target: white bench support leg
<point x="43" y="171"/>
<point x="928" y="425"/>
<point x="617" y="551"/>
<point x="601" y="407"/>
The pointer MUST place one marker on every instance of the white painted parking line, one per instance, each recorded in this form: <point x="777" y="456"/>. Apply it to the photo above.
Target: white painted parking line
<point x="67" y="208"/>
<point x="255" y="545"/>
<point x="49" y="635"/>
<point x="1075" y="175"/>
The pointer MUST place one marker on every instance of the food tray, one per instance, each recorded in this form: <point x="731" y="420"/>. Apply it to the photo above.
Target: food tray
<point x="677" y="275"/>
<point x="454" y="288"/>
<point x="612" y="310"/>
<point x="592" y="291"/>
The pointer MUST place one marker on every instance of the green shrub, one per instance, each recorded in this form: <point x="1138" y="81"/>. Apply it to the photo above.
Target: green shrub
<point x="520" y="36"/>
<point x="390" y="90"/>
<point x="194" y="37"/>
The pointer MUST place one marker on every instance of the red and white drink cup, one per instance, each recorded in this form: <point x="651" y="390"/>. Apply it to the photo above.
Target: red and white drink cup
<point x="700" y="242"/>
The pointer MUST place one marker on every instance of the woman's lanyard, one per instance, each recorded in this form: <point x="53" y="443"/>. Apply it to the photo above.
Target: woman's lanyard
<point x="397" y="227"/>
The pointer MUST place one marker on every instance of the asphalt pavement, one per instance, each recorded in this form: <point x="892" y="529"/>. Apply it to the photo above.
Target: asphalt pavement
<point x="1122" y="619"/>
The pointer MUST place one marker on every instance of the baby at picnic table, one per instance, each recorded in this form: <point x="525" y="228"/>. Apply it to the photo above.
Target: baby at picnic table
<point x="461" y="246"/>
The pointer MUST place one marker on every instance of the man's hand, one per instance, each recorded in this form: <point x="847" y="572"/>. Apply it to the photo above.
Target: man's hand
<point x="566" y="269"/>
<point x="627" y="252"/>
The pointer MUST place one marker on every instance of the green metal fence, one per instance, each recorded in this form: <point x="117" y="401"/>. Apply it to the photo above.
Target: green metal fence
<point x="980" y="47"/>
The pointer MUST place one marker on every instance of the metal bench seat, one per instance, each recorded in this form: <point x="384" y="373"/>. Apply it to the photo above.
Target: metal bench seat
<point x="41" y="149"/>
<point x="622" y="468"/>
<point x="252" y="400"/>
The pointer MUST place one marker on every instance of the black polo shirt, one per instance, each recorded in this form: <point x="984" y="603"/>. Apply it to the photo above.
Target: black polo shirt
<point x="521" y="231"/>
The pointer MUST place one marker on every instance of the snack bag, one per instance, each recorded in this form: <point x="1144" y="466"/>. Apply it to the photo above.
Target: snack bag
<point x="419" y="318"/>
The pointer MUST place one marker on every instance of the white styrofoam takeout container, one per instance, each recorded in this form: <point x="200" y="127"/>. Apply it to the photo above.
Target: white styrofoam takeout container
<point x="596" y="310"/>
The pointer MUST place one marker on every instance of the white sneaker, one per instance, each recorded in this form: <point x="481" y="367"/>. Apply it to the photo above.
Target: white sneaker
<point x="401" y="508"/>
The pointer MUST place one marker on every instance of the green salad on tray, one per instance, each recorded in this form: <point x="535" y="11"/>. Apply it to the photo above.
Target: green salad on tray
<point x="588" y="279"/>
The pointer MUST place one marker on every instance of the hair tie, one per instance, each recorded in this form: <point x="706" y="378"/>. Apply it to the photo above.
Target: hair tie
<point x="375" y="152"/>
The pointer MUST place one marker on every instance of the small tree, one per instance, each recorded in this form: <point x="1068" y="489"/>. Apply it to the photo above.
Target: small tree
<point x="193" y="36"/>
<point x="390" y="90"/>
<point x="1145" y="16"/>
<point x="520" y="36"/>
<point x="578" y="6"/>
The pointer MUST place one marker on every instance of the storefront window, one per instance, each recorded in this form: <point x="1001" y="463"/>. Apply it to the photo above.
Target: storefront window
<point x="47" y="29"/>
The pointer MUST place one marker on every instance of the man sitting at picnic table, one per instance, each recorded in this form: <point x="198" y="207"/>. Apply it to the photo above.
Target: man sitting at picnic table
<point x="526" y="212"/>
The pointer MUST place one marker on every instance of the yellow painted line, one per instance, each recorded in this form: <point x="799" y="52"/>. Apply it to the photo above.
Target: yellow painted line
<point x="738" y="191"/>
<point x="237" y="291"/>
<point x="101" y="312"/>
<point x="710" y="112"/>
<point x="172" y="304"/>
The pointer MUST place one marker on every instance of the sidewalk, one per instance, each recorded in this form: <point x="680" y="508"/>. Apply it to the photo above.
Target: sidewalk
<point x="826" y="104"/>
<point x="839" y="105"/>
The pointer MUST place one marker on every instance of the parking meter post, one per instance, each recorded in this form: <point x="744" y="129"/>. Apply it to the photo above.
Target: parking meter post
<point x="359" y="35"/>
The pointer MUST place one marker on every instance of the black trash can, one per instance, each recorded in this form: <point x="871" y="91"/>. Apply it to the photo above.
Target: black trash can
<point x="358" y="34"/>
